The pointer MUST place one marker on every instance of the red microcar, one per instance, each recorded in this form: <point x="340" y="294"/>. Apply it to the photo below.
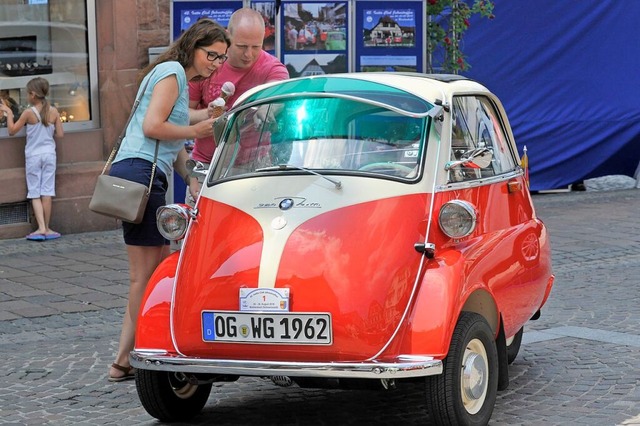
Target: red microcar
<point x="364" y="229"/>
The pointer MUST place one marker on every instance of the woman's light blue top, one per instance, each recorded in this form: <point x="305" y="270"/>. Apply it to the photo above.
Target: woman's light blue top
<point x="135" y="144"/>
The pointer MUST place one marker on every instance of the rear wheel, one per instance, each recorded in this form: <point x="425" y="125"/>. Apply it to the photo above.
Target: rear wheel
<point x="465" y="392"/>
<point x="169" y="398"/>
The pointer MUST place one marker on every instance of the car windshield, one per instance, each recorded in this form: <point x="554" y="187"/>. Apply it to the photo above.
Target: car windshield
<point x="327" y="134"/>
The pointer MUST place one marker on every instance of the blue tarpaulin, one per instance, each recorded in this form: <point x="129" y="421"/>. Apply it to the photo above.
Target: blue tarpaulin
<point x="568" y="74"/>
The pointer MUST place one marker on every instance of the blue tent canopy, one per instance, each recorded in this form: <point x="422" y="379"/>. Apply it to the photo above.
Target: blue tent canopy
<point x="568" y="74"/>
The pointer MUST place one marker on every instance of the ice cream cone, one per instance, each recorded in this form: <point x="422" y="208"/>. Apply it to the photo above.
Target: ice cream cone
<point x="227" y="90"/>
<point x="217" y="107"/>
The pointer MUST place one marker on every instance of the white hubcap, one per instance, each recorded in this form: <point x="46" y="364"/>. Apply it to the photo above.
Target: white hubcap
<point x="474" y="377"/>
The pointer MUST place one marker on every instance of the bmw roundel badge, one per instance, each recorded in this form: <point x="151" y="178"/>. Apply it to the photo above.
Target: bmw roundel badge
<point x="286" y="204"/>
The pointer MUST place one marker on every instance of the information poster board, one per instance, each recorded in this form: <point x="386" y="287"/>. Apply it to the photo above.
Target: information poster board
<point x="314" y="37"/>
<point x="184" y="13"/>
<point x="389" y="36"/>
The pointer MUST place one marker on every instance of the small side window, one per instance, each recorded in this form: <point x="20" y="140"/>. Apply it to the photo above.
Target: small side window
<point x="476" y="124"/>
<point x="503" y="157"/>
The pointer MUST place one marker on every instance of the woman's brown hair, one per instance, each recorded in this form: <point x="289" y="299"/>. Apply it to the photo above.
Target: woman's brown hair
<point x="204" y="32"/>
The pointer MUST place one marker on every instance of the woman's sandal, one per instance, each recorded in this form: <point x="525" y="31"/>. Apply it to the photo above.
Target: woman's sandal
<point x="129" y="373"/>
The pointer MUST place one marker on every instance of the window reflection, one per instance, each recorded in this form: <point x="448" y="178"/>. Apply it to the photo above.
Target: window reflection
<point x="476" y="124"/>
<point x="46" y="38"/>
<point x="353" y="137"/>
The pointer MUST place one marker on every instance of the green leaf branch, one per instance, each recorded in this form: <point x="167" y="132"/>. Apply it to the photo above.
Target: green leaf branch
<point x="447" y="23"/>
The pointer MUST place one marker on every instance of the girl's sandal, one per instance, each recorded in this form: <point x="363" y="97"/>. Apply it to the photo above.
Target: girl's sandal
<point x="129" y="373"/>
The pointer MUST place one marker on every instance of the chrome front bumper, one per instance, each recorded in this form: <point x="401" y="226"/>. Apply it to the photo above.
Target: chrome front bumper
<point x="404" y="367"/>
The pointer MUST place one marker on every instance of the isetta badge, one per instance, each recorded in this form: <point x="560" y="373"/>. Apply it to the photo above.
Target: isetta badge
<point x="264" y="299"/>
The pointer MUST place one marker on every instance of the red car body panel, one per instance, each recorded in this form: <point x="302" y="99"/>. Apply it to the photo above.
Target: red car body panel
<point x="364" y="316"/>
<point x="225" y="255"/>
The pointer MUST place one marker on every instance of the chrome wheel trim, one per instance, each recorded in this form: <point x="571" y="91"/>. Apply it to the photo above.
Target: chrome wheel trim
<point x="181" y="388"/>
<point x="474" y="377"/>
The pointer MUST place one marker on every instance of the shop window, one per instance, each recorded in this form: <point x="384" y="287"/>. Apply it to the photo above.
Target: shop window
<point x="49" y="39"/>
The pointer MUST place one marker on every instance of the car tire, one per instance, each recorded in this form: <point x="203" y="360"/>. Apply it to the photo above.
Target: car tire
<point x="465" y="393"/>
<point x="513" y="346"/>
<point x="169" y="399"/>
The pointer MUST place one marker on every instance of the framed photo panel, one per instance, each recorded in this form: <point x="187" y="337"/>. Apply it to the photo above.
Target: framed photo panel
<point x="390" y="36"/>
<point x="268" y="11"/>
<point x="314" y="37"/>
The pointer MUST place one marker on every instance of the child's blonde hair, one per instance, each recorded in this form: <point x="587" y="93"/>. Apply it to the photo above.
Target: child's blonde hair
<point x="40" y="88"/>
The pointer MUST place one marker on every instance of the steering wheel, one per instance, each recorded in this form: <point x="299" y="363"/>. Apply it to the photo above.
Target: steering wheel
<point x="396" y="167"/>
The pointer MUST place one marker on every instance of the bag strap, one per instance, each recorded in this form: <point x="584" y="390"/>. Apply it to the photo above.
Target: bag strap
<point x="153" y="168"/>
<point x="116" y="147"/>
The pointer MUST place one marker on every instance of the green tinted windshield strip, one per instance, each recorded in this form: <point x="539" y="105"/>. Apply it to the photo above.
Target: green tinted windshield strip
<point x="380" y="93"/>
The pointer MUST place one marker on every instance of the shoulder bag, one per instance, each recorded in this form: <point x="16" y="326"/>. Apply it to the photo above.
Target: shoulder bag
<point x="121" y="198"/>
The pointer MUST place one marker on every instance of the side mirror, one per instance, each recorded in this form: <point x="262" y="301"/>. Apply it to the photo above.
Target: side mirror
<point x="196" y="167"/>
<point x="478" y="158"/>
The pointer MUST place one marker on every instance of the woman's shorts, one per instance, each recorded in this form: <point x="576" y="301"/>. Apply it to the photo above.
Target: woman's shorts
<point x="138" y="170"/>
<point x="41" y="175"/>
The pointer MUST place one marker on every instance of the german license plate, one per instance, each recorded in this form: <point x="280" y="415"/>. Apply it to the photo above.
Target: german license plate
<point x="281" y="328"/>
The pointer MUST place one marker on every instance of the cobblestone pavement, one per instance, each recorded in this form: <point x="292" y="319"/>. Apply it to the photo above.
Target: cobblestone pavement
<point x="61" y="304"/>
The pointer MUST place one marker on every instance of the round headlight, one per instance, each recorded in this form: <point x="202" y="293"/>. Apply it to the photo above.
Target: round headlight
<point x="173" y="220"/>
<point x="457" y="219"/>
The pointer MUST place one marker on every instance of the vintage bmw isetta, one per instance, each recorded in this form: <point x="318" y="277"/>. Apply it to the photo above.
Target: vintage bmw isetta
<point x="360" y="229"/>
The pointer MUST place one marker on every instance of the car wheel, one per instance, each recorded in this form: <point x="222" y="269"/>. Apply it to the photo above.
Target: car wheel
<point x="465" y="392"/>
<point x="168" y="398"/>
<point x="513" y="346"/>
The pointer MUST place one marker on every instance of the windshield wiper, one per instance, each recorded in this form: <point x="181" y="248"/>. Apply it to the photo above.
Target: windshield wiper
<point x="282" y="167"/>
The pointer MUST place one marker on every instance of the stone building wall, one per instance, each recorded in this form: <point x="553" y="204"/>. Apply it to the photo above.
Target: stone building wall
<point x="125" y="30"/>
